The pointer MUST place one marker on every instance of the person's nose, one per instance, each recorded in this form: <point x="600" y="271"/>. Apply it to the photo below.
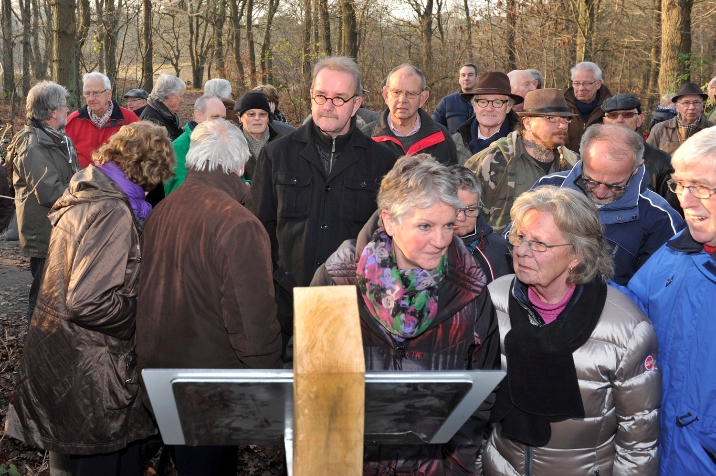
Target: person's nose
<point x="442" y="238"/>
<point x="686" y="199"/>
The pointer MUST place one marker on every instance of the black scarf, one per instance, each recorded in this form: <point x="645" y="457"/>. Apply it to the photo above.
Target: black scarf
<point x="476" y="144"/>
<point x="163" y="110"/>
<point x="541" y="384"/>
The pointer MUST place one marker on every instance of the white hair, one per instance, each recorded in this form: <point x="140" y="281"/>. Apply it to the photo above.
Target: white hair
<point x="589" y="66"/>
<point x="96" y="75"/>
<point x="220" y="88"/>
<point x="217" y="143"/>
<point x="699" y="148"/>
<point x="167" y="84"/>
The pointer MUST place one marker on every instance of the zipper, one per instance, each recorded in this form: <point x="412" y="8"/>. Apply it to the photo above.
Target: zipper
<point x="528" y="460"/>
<point x="136" y="270"/>
<point x="333" y="152"/>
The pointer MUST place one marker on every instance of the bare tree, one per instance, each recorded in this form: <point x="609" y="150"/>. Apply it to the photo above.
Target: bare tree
<point x="237" y="11"/>
<point x="349" y="29"/>
<point x="326" y="27"/>
<point x="250" y="41"/>
<point x="147" y="47"/>
<point x="26" y="45"/>
<point x="675" y="42"/>
<point x="307" y="49"/>
<point x="218" y="23"/>
<point x="8" y="47"/>
<point x="64" y="52"/>
<point x="425" y="25"/>
<point x="266" y="55"/>
<point x="39" y="65"/>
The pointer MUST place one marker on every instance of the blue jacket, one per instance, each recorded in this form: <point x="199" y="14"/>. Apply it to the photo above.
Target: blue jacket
<point x="676" y="288"/>
<point x="452" y="111"/>
<point x="637" y="223"/>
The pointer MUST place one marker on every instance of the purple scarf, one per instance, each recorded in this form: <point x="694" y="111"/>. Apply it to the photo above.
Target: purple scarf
<point x="134" y="192"/>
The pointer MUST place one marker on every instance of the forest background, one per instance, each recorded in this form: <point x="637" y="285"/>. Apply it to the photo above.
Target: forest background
<point x="644" y="47"/>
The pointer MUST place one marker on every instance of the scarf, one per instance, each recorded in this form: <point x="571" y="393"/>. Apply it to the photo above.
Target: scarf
<point x="134" y="192"/>
<point x="476" y="144"/>
<point x="61" y="140"/>
<point x="101" y="121"/>
<point x="686" y="130"/>
<point x="586" y="108"/>
<point x="541" y="384"/>
<point x="163" y="110"/>
<point x="255" y="146"/>
<point x="403" y="301"/>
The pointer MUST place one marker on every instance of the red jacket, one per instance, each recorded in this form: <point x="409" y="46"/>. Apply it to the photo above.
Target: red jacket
<point x="88" y="137"/>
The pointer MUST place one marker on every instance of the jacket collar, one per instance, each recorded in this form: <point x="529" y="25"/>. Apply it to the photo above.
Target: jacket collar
<point x="115" y="116"/>
<point x="683" y="242"/>
<point x="231" y="184"/>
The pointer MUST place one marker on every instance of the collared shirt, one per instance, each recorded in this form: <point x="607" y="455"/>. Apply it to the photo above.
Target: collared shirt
<point x="687" y="130"/>
<point x="397" y="133"/>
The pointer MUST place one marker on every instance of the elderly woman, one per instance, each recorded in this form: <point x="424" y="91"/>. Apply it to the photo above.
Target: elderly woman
<point x="582" y="386"/>
<point x="492" y="252"/>
<point x="277" y="119"/>
<point x="253" y="112"/>
<point x="77" y="390"/>
<point x="221" y="88"/>
<point x="164" y="103"/>
<point x="424" y="303"/>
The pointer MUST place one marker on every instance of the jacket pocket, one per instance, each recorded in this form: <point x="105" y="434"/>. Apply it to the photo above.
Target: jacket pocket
<point x="293" y="192"/>
<point x="358" y="199"/>
<point x="121" y="379"/>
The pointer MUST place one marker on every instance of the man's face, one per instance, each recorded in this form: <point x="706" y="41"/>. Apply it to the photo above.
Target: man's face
<point x="59" y="116"/>
<point x="606" y="165"/>
<point x="699" y="214"/>
<point x="96" y="95"/>
<point x="331" y="119"/>
<point x="549" y="134"/>
<point x="215" y="109"/>
<point x="712" y="90"/>
<point x="585" y="85"/>
<point x="689" y="108"/>
<point x="173" y="102"/>
<point x="403" y="95"/>
<point x="255" y="121"/>
<point x="491" y="116"/>
<point x="468" y="79"/>
<point x="135" y="103"/>
<point x="522" y="82"/>
<point x="630" y="118"/>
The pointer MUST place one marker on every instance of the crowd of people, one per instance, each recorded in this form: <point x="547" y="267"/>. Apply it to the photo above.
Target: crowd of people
<point x="519" y="228"/>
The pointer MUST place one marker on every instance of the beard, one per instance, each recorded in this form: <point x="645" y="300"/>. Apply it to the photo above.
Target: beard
<point x="556" y="139"/>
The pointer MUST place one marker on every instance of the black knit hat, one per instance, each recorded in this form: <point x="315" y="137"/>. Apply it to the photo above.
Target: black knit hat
<point x="252" y="100"/>
<point x="621" y="102"/>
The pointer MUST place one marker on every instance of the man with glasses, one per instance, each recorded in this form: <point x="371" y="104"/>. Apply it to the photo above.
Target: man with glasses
<point x="676" y="288"/>
<point x="453" y="110"/>
<point x="316" y="187"/>
<point x="612" y="174"/>
<point x="584" y="98"/>
<point x="101" y="117"/>
<point x="494" y="117"/>
<point x="404" y="127"/>
<point x="509" y="166"/>
<point x="690" y="119"/>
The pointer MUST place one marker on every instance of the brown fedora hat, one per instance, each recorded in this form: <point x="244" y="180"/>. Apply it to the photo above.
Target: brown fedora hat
<point x="545" y="102"/>
<point x="493" y="82"/>
<point x="689" y="89"/>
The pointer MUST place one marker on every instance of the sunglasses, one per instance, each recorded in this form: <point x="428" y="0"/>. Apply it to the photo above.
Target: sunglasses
<point x="624" y="114"/>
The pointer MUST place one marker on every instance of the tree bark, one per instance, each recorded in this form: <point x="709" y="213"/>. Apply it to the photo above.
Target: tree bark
<point x="110" y="38"/>
<point x="468" y="29"/>
<point x="675" y="41"/>
<point x="350" y="29"/>
<point x="584" y="14"/>
<point x="8" y="48"/>
<point x="147" y="48"/>
<point x="266" y="56"/>
<point x="250" y="41"/>
<point x="654" y="95"/>
<point x="326" y="24"/>
<point x="511" y="28"/>
<point x="26" y="45"/>
<point x="237" y="11"/>
<point x="64" y="52"/>
<point x="307" y="30"/>
<point x="219" y="39"/>
<point x="39" y="65"/>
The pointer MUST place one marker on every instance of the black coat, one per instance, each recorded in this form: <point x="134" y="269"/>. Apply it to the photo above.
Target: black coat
<point x="151" y="114"/>
<point x="492" y="252"/>
<point x="658" y="166"/>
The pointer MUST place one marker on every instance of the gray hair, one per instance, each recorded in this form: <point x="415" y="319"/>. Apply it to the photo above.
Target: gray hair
<point x="44" y="98"/>
<point x="201" y="102"/>
<point x="218" y="87"/>
<point x="96" y="75"/>
<point x="466" y="180"/>
<point x="167" y="84"/>
<point x="537" y="74"/>
<point x="698" y="148"/>
<point x="666" y="99"/>
<point x="589" y="66"/>
<point x="417" y="181"/>
<point x="577" y="218"/>
<point x="616" y="136"/>
<point x="414" y="70"/>
<point x="217" y="143"/>
<point x="343" y="64"/>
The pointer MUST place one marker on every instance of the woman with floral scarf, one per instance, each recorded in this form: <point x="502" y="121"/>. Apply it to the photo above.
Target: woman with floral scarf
<point x="423" y="303"/>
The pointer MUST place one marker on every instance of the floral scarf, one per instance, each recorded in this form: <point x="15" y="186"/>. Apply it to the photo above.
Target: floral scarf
<point x="404" y="301"/>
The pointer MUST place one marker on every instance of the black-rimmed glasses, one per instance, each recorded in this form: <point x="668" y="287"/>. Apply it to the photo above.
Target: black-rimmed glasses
<point x="587" y="184"/>
<point x="470" y="212"/>
<point x="337" y="101"/>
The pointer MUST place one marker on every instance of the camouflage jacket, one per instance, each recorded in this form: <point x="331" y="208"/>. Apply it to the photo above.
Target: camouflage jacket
<point x="506" y="170"/>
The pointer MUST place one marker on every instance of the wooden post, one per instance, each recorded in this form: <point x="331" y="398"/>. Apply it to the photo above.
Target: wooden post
<point x="329" y="382"/>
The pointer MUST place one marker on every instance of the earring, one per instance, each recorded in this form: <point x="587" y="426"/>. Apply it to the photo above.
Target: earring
<point x="570" y="269"/>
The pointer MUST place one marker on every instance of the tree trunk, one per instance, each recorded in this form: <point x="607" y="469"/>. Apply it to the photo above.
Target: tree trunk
<point x="675" y="41"/>
<point x="147" y="49"/>
<point x="426" y="32"/>
<point x="326" y="24"/>
<point x="64" y="52"/>
<point x="511" y="28"/>
<point x="237" y="11"/>
<point x="584" y="12"/>
<point x="307" y="30"/>
<point x="8" y="48"/>
<point x="468" y="29"/>
<point x="654" y="96"/>
<point x="26" y="45"/>
<point x="219" y="39"/>
<point x="49" y="37"/>
<point x="39" y="65"/>
<point x="100" y="34"/>
<point x="266" y="56"/>
<point x="350" y="29"/>
<point x="110" y="39"/>
<point x="250" y="41"/>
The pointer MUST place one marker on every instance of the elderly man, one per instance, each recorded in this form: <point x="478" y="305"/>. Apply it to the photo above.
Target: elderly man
<point x="690" y="119"/>
<point x="205" y="290"/>
<point x="453" y="110"/>
<point x="711" y="91"/>
<point x="404" y="127"/>
<point x="100" y="119"/>
<point x="316" y="187"/>
<point x="42" y="160"/>
<point x="521" y="82"/>
<point x="512" y="164"/>
<point x="584" y="98"/>
<point x="494" y="118"/>
<point x="221" y="88"/>
<point x="164" y="103"/>
<point x="676" y="288"/>
<point x="538" y="77"/>
<point x="254" y="112"/>
<point x="206" y="108"/>
<point x="136" y="100"/>
<point x="612" y="174"/>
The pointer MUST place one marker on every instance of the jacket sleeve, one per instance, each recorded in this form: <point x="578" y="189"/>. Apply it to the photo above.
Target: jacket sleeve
<point x="95" y="297"/>
<point x="653" y="138"/>
<point x="439" y="115"/>
<point x="637" y="396"/>
<point x="42" y="176"/>
<point x="263" y="200"/>
<point x="452" y="149"/>
<point x="247" y="295"/>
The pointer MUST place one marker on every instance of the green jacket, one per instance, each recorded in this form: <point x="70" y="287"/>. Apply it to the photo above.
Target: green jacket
<point x="506" y="170"/>
<point x="181" y="147"/>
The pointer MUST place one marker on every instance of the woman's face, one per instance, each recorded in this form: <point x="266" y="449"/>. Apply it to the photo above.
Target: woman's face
<point x="545" y="272"/>
<point x="255" y="121"/>
<point x="423" y="237"/>
<point x="465" y="225"/>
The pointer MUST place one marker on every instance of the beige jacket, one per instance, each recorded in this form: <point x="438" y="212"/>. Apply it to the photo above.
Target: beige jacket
<point x="620" y="434"/>
<point x="665" y="135"/>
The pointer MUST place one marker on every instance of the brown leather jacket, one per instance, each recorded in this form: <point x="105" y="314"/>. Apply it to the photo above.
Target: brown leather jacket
<point x="78" y="385"/>
<point x="665" y="135"/>
<point x="578" y="126"/>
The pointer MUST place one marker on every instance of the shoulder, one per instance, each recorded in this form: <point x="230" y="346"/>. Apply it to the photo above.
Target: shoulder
<point x="340" y="267"/>
<point x="619" y="320"/>
<point x="71" y="118"/>
<point x="658" y="209"/>
<point x="556" y="178"/>
<point x="128" y="115"/>
<point x="500" y="292"/>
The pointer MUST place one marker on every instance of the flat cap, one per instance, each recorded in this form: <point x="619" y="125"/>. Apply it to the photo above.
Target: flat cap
<point x="621" y="102"/>
<point x="136" y="93"/>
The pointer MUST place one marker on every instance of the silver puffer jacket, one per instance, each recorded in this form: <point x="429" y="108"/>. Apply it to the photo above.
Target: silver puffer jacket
<point x="620" y="433"/>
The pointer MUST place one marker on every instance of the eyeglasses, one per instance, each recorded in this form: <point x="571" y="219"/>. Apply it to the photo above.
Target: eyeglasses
<point x="585" y="183"/>
<point x="582" y="84"/>
<point x="557" y="119"/>
<point x="539" y="246"/>
<point x="470" y="212"/>
<point x="93" y="94"/>
<point x="496" y="103"/>
<point x="691" y="103"/>
<point x="396" y="93"/>
<point x="696" y="191"/>
<point x="625" y="114"/>
<point x="337" y="101"/>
